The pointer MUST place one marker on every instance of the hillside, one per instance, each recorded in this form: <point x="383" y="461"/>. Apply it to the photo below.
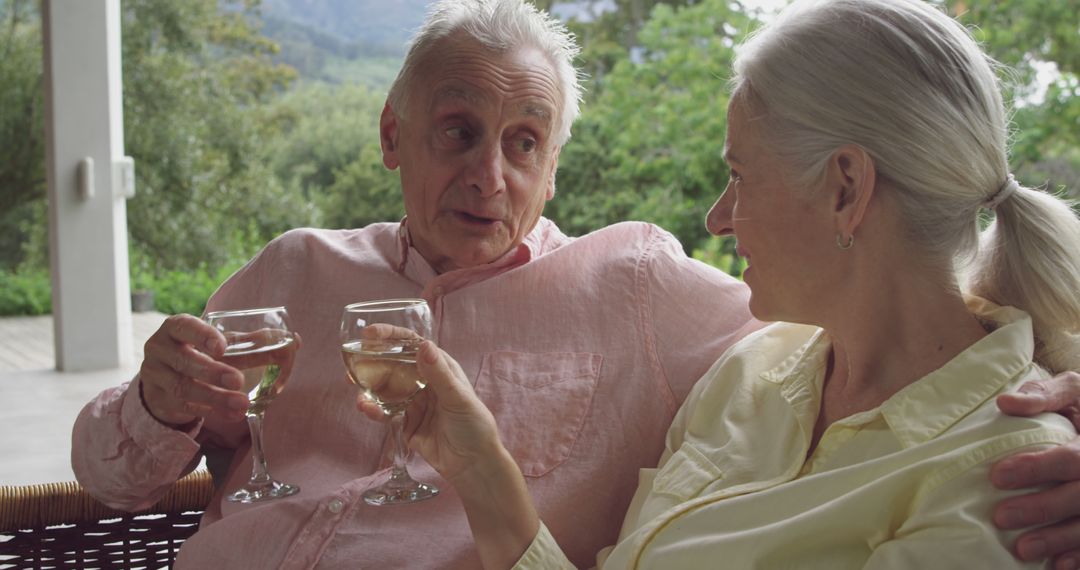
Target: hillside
<point x="384" y="24"/>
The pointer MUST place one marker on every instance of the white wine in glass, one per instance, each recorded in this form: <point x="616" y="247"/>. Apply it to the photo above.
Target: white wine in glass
<point x="260" y="344"/>
<point x="379" y="340"/>
<point x="262" y="383"/>
<point x="385" y="370"/>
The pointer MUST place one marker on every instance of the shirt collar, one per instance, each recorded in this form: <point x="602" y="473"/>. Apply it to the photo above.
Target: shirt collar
<point x="923" y="410"/>
<point x="543" y="238"/>
<point x="805" y="362"/>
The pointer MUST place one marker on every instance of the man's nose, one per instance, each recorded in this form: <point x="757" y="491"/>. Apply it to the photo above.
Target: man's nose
<point x="718" y="220"/>
<point x="485" y="172"/>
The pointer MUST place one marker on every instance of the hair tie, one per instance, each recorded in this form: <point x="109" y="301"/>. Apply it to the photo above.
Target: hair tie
<point x="1007" y="189"/>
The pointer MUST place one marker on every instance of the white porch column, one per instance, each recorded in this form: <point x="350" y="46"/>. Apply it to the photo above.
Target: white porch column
<point x="87" y="215"/>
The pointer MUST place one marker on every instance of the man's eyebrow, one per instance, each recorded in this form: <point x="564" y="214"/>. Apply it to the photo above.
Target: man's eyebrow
<point x="447" y="93"/>
<point x="539" y="111"/>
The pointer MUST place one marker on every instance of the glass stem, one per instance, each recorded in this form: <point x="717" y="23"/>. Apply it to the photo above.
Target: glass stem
<point x="401" y="451"/>
<point x="259" y="472"/>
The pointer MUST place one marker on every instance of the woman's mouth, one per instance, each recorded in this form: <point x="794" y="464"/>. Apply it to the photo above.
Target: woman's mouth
<point x="741" y="252"/>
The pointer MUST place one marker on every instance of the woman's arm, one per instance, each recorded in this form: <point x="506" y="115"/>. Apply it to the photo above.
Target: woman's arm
<point x="456" y="434"/>
<point x="500" y="511"/>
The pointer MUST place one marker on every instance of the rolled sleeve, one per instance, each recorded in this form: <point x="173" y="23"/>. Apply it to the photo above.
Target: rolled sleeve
<point x="163" y="443"/>
<point x="543" y="554"/>
<point x="123" y="456"/>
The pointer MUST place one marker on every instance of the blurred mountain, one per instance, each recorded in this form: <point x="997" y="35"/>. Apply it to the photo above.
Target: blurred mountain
<point x="372" y="24"/>
<point x="363" y="41"/>
<point x="343" y="41"/>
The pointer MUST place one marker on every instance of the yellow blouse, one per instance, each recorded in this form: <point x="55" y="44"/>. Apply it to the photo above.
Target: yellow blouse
<point x="904" y="485"/>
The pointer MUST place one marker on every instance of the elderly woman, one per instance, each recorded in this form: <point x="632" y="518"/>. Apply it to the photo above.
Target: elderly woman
<point x="865" y="138"/>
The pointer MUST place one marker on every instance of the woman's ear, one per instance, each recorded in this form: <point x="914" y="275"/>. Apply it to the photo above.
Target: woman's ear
<point x="851" y="178"/>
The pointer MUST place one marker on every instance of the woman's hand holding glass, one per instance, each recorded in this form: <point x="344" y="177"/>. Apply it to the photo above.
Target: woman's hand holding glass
<point x="379" y="341"/>
<point x="456" y="433"/>
<point x="447" y="423"/>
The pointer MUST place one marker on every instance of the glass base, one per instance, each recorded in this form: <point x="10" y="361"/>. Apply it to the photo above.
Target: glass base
<point x="394" y="493"/>
<point x="253" y="493"/>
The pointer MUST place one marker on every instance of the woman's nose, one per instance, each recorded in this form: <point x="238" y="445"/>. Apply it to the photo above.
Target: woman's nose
<point x="718" y="220"/>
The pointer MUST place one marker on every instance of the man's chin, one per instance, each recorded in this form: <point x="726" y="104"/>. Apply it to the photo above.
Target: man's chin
<point x="473" y="252"/>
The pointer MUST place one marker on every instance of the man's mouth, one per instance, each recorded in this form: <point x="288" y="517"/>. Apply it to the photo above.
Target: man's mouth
<point x="474" y="219"/>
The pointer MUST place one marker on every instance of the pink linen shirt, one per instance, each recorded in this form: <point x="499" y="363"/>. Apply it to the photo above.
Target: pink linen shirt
<point x="583" y="349"/>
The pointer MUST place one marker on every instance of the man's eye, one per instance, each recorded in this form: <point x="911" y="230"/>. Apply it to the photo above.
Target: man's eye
<point x="457" y="133"/>
<point x="525" y="145"/>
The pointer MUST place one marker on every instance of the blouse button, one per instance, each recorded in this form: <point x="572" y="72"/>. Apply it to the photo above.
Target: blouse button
<point x="336" y="506"/>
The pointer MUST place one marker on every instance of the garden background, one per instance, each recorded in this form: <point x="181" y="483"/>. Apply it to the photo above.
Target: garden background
<point x="247" y="118"/>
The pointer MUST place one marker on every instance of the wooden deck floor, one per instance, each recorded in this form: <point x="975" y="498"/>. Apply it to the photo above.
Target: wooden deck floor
<point x="40" y="404"/>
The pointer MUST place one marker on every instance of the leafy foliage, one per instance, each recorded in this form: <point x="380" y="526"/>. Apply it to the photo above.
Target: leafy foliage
<point x="243" y="125"/>
<point x="196" y="80"/>
<point x="649" y="143"/>
<point x="25" y="292"/>
<point x="1033" y="36"/>
<point x="22" y="128"/>
<point x="332" y="157"/>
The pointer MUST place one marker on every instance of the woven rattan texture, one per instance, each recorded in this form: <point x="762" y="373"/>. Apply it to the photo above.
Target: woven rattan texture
<point x="58" y="525"/>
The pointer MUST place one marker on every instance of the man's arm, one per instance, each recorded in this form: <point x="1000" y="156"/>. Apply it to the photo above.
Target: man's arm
<point x="131" y="443"/>
<point x="1055" y="511"/>
<point x="696" y="313"/>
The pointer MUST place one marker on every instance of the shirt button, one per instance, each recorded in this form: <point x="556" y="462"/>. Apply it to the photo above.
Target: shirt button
<point x="336" y="505"/>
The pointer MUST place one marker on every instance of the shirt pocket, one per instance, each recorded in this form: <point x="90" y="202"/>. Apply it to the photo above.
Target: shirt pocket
<point x="540" y="402"/>
<point x="686" y="474"/>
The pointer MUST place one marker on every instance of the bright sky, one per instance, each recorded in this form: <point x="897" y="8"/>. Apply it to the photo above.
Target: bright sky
<point x="772" y="6"/>
<point x="565" y="8"/>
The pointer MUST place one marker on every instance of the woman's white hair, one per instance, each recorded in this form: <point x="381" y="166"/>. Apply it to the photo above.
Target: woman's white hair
<point x="910" y="85"/>
<point x="498" y="25"/>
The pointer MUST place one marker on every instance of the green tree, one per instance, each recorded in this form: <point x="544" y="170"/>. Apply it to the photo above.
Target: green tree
<point x="22" y="130"/>
<point x="1030" y="36"/>
<point x="649" y="143"/>
<point x="197" y="77"/>
<point x="607" y="35"/>
<point x="328" y="152"/>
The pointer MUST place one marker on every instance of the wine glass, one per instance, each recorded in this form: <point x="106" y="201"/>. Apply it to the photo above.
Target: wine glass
<point x="260" y="344"/>
<point x="382" y="361"/>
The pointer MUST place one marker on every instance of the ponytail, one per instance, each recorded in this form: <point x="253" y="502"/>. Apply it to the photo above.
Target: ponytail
<point x="1029" y="258"/>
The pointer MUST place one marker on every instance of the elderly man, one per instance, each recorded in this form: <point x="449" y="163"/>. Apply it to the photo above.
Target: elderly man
<point x="583" y="348"/>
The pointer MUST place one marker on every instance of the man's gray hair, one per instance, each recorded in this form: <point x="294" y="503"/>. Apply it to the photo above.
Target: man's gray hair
<point x="910" y="85"/>
<point x="498" y="25"/>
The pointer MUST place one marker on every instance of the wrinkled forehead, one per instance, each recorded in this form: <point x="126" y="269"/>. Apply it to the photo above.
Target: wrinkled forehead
<point x="462" y="71"/>
<point x="453" y="93"/>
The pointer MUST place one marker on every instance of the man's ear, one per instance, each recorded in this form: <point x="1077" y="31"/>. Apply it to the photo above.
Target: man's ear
<point x="851" y="178"/>
<point x="388" y="137"/>
<point x="551" y="175"/>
